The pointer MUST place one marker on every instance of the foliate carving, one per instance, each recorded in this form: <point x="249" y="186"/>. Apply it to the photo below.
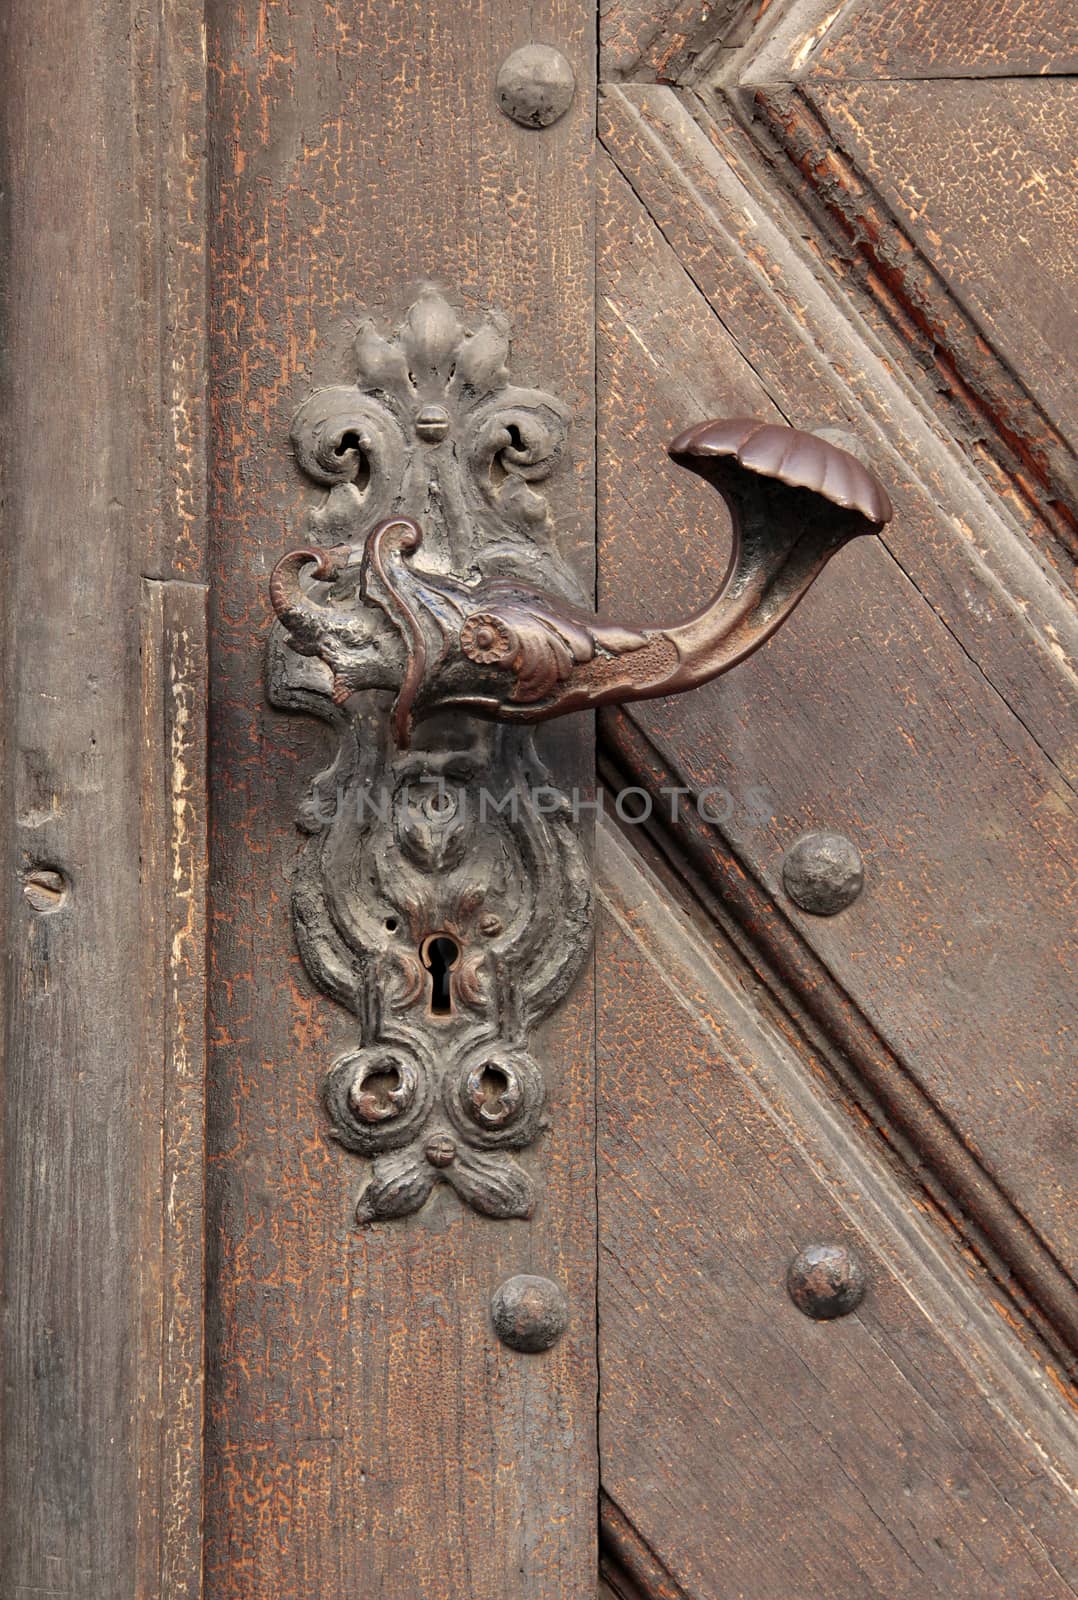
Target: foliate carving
<point x="448" y="925"/>
<point x="500" y="647"/>
<point x="441" y="895"/>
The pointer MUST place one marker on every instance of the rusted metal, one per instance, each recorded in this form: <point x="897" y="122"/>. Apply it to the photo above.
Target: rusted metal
<point x="823" y="873"/>
<point x="826" y="1280"/>
<point x="502" y="649"/>
<point x="410" y="914"/>
<point x="529" y="1313"/>
<point x="446" y="917"/>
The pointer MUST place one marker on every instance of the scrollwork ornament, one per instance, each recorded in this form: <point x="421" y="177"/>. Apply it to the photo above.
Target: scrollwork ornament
<point x="418" y="847"/>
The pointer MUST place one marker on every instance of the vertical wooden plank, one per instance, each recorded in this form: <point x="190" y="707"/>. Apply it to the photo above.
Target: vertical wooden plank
<point x="101" y="303"/>
<point x="368" y="1435"/>
<point x="172" y="1089"/>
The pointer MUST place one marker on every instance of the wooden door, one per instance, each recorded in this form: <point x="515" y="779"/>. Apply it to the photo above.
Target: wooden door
<point x="216" y="1384"/>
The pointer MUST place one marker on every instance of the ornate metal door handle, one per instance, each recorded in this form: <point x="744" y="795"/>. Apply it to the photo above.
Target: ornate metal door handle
<point x="499" y="648"/>
<point x="445" y="916"/>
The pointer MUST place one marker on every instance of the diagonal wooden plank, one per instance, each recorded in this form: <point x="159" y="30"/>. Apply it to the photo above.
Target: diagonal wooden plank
<point x="805" y="342"/>
<point x="647" y="41"/>
<point x="948" y="39"/>
<point x="997" y="419"/>
<point x="971" y="816"/>
<point x="903" y="1450"/>
<point x="1001" y="236"/>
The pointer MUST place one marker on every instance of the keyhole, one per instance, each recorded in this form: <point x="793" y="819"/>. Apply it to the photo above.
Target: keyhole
<point x="440" y="954"/>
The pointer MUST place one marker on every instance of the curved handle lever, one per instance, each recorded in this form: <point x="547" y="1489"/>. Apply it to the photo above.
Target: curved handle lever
<point x="504" y="650"/>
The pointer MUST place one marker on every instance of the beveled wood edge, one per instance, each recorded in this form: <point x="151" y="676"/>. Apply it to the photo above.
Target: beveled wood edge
<point x="1011" y="438"/>
<point x="909" y="1132"/>
<point x="680" y="48"/>
<point x="628" y="1567"/>
<point x="961" y="1307"/>
<point x="759" y="63"/>
<point x="651" y="129"/>
<point x="765" y="78"/>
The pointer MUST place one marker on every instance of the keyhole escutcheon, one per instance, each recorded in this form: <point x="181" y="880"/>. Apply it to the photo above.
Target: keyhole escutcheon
<point x="440" y="954"/>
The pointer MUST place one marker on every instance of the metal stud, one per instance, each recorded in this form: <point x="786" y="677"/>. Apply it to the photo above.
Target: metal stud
<point x="825" y="1281"/>
<point x="823" y="873"/>
<point x="529" y="1313"/>
<point x="432" y="423"/>
<point x="535" y="85"/>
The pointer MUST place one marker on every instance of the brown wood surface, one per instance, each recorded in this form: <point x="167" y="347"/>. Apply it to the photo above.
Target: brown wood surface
<point x="1001" y="238"/>
<point x="170" y="1116"/>
<point x="833" y="218"/>
<point x="997" y="421"/>
<point x="102" y="472"/>
<point x="658" y="39"/>
<point x="948" y="39"/>
<point x="920" y="1078"/>
<point x="943" y="186"/>
<point x="863" y="715"/>
<point x="367" y="1433"/>
<point x="738" y="243"/>
<point x="906" y="1449"/>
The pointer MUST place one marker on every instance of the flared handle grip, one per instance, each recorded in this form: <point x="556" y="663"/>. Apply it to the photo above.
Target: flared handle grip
<point x="502" y="649"/>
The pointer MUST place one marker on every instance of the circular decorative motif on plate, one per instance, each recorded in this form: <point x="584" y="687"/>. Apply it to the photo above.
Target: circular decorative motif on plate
<point x="486" y="639"/>
<point x="497" y="1097"/>
<point x="441" y="1149"/>
<point x="378" y="1097"/>
<point x="432" y="423"/>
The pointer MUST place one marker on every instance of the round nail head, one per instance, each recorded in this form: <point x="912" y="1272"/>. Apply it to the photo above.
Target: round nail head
<point x="823" y="873"/>
<point x="441" y="1150"/>
<point x="535" y="86"/>
<point x="825" y="1281"/>
<point x="529" y="1313"/>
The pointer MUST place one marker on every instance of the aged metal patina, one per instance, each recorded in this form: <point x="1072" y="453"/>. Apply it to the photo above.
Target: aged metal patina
<point x="823" y="873"/>
<point x="529" y="1313"/>
<point x="826" y="1281"/>
<point x="435" y="899"/>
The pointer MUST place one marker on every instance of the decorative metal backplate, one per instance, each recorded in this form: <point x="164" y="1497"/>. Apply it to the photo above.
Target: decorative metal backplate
<point x="442" y="895"/>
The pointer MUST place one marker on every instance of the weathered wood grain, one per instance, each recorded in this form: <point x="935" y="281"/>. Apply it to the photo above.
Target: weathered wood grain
<point x="815" y="355"/>
<point x="626" y="1563"/>
<point x="862" y="715"/>
<point x="999" y="238"/>
<point x="908" y="216"/>
<point x="995" y="414"/>
<point x="948" y="39"/>
<point x="659" y="39"/>
<point x="368" y="1435"/>
<point x="171" y="1110"/>
<point x="904" y="1449"/>
<point x="102" y="336"/>
<point x="1035" y="1294"/>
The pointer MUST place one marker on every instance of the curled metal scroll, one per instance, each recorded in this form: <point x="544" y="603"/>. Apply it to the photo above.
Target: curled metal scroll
<point x="447" y="926"/>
